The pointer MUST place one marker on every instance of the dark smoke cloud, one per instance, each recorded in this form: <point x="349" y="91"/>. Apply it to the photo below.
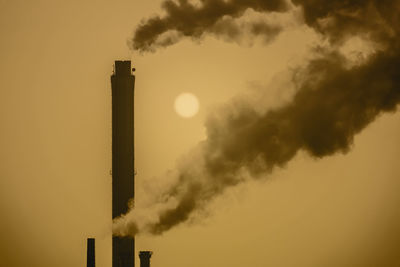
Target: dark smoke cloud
<point x="234" y="30"/>
<point x="337" y="19"/>
<point x="188" y="20"/>
<point x="333" y="101"/>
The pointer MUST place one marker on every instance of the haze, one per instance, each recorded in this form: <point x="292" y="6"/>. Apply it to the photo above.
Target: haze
<point x="55" y="115"/>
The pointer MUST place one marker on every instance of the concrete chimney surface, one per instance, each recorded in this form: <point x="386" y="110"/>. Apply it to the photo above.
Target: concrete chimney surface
<point x="123" y="170"/>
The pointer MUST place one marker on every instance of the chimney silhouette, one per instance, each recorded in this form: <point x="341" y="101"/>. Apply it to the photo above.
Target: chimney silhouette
<point x="91" y="259"/>
<point x="123" y="172"/>
<point x="145" y="258"/>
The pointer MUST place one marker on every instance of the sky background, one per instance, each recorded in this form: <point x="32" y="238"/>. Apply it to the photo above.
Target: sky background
<point x="55" y="148"/>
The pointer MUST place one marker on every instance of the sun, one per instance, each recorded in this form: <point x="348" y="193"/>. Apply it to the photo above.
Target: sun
<point x="186" y="105"/>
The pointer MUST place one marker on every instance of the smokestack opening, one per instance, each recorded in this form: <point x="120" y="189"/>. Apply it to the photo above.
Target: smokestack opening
<point x="123" y="67"/>
<point x="91" y="259"/>
<point x="145" y="258"/>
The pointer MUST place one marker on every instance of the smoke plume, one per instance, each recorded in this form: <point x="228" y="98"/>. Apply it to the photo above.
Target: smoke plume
<point x="334" y="100"/>
<point x="184" y="19"/>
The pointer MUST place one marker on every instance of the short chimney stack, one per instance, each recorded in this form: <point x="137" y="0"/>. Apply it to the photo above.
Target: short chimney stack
<point x="91" y="261"/>
<point x="145" y="258"/>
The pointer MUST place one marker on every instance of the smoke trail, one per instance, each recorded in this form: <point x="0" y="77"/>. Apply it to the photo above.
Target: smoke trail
<point x="333" y="102"/>
<point x="185" y="19"/>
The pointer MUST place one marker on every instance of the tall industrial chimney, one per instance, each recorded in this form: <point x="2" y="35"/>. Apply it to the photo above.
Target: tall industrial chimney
<point x="145" y="258"/>
<point x="91" y="259"/>
<point x="123" y="186"/>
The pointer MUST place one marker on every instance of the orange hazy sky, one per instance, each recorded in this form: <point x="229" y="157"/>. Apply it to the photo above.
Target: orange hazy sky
<point x="55" y="148"/>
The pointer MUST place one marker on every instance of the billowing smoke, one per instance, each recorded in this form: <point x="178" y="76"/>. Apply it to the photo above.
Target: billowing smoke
<point x="334" y="100"/>
<point x="184" y="19"/>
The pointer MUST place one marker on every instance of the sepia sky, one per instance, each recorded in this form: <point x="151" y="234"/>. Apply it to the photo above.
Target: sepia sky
<point x="317" y="207"/>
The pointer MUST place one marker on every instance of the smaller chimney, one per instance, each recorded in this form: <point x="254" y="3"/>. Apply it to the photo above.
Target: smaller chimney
<point x="145" y="258"/>
<point x="90" y="253"/>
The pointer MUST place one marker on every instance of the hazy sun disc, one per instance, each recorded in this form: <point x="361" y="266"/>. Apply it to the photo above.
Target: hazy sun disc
<point x="186" y="105"/>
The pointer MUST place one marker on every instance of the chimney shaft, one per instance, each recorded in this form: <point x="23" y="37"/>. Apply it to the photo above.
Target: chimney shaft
<point x="91" y="259"/>
<point x="122" y="87"/>
<point x="145" y="258"/>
